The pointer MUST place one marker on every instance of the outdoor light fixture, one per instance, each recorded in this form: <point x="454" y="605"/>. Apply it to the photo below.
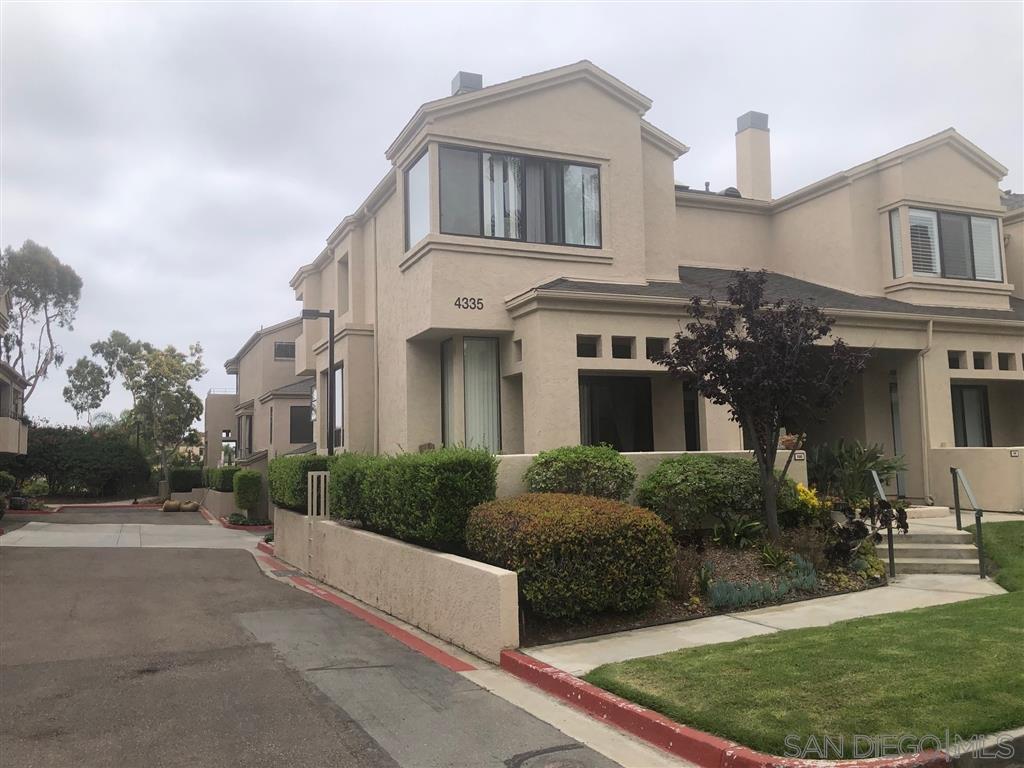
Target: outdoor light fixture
<point x="316" y="314"/>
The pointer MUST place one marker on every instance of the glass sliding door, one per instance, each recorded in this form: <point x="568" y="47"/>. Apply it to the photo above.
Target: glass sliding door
<point x="971" y="426"/>
<point x="448" y="393"/>
<point x="483" y="410"/>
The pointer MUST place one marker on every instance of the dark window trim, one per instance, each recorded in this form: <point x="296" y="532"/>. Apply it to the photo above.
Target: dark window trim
<point x="405" y="193"/>
<point x="522" y="194"/>
<point x="970" y="241"/>
<point x="288" y="343"/>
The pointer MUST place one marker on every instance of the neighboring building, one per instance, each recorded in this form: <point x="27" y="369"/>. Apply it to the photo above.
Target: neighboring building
<point x="13" y="429"/>
<point x="268" y="414"/>
<point x="505" y="283"/>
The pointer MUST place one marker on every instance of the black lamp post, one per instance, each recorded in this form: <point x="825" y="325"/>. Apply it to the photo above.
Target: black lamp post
<point x="316" y="314"/>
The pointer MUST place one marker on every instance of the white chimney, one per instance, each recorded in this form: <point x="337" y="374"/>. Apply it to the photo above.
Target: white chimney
<point x="753" y="156"/>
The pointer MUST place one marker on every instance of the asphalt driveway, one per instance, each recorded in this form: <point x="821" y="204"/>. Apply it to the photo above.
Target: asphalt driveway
<point x="192" y="657"/>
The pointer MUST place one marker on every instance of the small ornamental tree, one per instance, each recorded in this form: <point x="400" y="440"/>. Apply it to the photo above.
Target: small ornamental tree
<point x="774" y="364"/>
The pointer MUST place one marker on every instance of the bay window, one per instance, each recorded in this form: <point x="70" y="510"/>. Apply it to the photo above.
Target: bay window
<point x="417" y="200"/>
<point x="952" y="245"/>
<point x="511" y="197"/>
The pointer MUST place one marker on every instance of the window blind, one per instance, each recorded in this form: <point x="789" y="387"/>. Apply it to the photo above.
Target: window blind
<point x="987" y="261"/>
<point x="924" y="242"/>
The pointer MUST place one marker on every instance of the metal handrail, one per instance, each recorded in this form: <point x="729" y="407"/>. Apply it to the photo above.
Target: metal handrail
<point x="888" y="527"/>
<point x="960" y="479"/>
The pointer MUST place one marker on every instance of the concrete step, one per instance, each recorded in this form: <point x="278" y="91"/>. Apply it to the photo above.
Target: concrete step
<point x="965" y="551"/>
<point x="922" y="511"/>
<point x="935" y="565"/>
<point x="933" y="536"/>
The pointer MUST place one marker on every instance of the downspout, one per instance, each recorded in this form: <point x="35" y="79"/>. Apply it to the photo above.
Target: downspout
<point x="922" y="396"/>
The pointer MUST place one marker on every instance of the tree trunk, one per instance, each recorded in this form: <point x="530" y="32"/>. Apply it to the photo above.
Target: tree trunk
<point x="770" y="492"/>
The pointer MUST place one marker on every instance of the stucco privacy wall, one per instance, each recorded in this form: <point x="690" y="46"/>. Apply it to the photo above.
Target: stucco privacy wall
<point x="217" y="503"/>
<point x="470" y="604"/>
<point x="512" y="467"/>
<point x="995" y="475"/>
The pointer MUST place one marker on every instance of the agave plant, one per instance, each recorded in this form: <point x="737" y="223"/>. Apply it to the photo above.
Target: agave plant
<point x="843" y="469"/>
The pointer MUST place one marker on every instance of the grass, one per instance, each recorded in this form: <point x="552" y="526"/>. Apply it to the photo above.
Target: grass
<point x="1004" y="545"/>
<point x="958" y="667"/>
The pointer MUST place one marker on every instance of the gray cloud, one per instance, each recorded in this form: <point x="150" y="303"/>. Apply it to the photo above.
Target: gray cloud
<point x="182" y="156"/>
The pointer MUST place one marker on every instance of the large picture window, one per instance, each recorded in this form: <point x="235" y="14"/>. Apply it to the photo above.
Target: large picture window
<point x="510" y="197"/>
<point x="955" y="245"/>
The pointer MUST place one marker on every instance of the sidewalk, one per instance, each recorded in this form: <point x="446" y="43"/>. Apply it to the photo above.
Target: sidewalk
<point x="905" y="592"/>
<point x="133" y="535"/>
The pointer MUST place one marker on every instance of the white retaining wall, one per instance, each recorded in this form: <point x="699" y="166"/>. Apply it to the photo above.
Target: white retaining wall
<point x="467" y="603"/>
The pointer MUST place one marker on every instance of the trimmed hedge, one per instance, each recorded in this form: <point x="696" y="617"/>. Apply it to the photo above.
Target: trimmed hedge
<point x="286" y="478"/>
<point x="690" y="491"/>
<point x="221" y="478"/>
<point x="347" y="473"/>
<point x="589" y="470"/>
<point x="422" y="498"/>
<point x="575" y="554"/>
<point x="247" y="483"/>
<point x="184" y="479"/>
<point x="78" y="463"/>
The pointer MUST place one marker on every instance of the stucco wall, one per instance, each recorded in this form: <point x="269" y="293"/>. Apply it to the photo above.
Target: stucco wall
<point x="994" y="474"/>
<point x="512" y="468"/>
<point x="470" y="604"/>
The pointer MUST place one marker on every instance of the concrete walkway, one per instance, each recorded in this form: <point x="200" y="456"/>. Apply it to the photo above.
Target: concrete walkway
<point x="132" y="535"/>
<point x="905" y="592"/>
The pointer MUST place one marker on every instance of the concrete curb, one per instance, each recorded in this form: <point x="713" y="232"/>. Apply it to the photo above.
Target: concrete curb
<point x="250" y="528"/>
<point x="265" y="547"/>
<point x="116" y="507"/>
<point x="680" y="740"/>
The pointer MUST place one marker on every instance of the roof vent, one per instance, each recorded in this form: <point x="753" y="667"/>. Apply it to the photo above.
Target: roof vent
<point x="730" y="192"/>
<point x="464" y="82"/>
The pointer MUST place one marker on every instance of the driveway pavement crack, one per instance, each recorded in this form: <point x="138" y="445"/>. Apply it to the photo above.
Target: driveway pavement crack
<point x="516" y="761"/>
<point x="348" y="666"/>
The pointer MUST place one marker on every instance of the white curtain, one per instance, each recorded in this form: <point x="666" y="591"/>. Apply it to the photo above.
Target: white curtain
<point x="480" y="366"/>
<point x="447" y="393"/>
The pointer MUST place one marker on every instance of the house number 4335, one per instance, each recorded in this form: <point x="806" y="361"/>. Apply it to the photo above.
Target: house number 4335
<point x="469" y="302"/>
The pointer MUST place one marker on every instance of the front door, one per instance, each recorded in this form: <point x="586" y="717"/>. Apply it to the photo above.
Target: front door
<point x="616" y="410"/>
<point x="897" y="436"/>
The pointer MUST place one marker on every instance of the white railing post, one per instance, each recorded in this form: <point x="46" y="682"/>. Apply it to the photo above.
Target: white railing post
<point x="317" y="507"/>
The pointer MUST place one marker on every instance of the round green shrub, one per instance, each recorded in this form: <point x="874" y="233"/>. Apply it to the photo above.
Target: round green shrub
<point x="575" y="555"/>
<point x="588" y="470"/>
<point x="690" y="492"/>
<point x="247" y="484"/>
<point x="694" y="491"/>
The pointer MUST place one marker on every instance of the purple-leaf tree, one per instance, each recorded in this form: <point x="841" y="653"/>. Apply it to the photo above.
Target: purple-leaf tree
<point x="774" y="364"/>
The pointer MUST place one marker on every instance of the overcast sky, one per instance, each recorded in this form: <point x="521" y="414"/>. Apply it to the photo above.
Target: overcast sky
<point x="186" y="158"/>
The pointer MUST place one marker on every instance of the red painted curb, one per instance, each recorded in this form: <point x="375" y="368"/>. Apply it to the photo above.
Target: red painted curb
<point x="408" y="639"/>
<point x="680" y="740"/>
<point x="264" y="546"/>
<point x="251" y="528"/>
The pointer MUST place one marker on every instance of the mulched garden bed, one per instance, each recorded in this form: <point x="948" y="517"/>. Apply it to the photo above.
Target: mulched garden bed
<point x="742" y="566"/>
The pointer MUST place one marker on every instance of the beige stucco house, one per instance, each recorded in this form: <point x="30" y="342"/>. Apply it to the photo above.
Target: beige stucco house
<point x="13" y="429"/>
<point x="505" y="283"/>
<point x="268" y="414"/>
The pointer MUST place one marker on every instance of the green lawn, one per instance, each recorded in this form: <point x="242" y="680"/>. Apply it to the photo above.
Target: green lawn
<point x="1004" y="545"/>
<point x="958" y="667"/>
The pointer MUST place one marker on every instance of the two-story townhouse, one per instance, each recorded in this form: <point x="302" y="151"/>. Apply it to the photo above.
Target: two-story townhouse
<point x="268" y="414"/>
<point x="13" y="430"/>
<point x="507" y="281"/>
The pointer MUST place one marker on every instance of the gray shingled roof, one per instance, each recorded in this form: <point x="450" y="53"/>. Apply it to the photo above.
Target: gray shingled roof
<point x="705" y="281"/>
<point x="296" y="388"/>
<point x="1013" y="200"/>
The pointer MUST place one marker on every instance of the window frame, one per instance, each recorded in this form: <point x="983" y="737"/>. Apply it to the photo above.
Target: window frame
<point x="405" y="195"/>
<point x="957" y="402"/>
<point x="942" y="273"/>
<point x="286" y="343"/>
<point x="522" y="195"/>
<point x="896" y="243"/>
